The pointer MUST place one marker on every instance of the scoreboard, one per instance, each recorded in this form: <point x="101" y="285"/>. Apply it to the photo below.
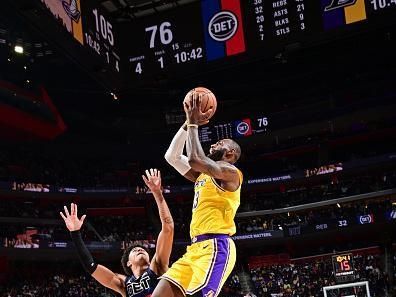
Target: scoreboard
<point x="234" y="129"/>
<point x="206" y="34"/>
<point x="209" y="33"/>
<point x="343" y="267"/>
<point x="87" y="22"/>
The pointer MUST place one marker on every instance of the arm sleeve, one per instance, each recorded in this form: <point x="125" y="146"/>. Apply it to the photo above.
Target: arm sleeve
<point x="174" y="155"/>
<point x="85" y="256"/>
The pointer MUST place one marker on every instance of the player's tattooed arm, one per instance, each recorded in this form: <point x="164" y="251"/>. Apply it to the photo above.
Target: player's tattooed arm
<point x="222" y="170"/>
<point x="153" y="182"/>
<point x="160" y="262"/>
<point x="201" y="163"/>
<point x="197" y="159"/>
<point x="167" y="220"/>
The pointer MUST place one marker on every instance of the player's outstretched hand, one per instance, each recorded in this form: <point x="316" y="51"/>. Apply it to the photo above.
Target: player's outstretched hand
<point x="153" y="180"/>
<point x="73" y="223"/>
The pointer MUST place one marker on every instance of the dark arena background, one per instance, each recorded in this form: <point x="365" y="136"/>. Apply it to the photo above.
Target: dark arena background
<point x="91" y="95"/>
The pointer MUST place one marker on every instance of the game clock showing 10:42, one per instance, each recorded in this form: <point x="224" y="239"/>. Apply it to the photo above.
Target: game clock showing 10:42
<point x="163" y="42"/>
<point x="206" y="33"/>
<point x="193" y="36"/>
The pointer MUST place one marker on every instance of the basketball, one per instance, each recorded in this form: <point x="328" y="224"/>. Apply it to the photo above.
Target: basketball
<point x="208" y="100"/>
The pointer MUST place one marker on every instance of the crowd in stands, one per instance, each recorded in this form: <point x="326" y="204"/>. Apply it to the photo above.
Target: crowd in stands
<point x="284" y="196"/>
<point x="56" y="286"/>
<point x="129" y="229"/>
<point x="33" y="168"/>
<point x="299" y="278"/>
<point x="36" y="165"/>
<point x="306" y="279"/>
<point x="83" y="286"/>
<point x="106" y="229"/>
<point x="381" y="209"/>
<point x="327" y="190"/>
<point x="132" y="228"/>
<point x="282" y="156"/>
<point x="122" y="228"/>
<point x="232" y="286"/>
<point x="30" y="208"/>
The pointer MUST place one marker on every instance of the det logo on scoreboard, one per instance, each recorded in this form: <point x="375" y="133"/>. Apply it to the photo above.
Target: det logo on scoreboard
<point x="243" y="128"/>
<point x="222" y="20"/>
<point x="366" y="219"/>
<point x="337" y="13"/>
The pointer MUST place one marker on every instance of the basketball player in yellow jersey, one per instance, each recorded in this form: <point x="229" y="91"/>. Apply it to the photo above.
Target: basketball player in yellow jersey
<point x="211" y="256"/>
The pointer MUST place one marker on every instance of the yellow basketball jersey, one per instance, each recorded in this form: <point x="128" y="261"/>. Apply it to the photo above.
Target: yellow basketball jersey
<point x="214" y="208"/>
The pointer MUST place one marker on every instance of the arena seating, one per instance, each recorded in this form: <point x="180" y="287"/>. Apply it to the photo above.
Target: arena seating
<point x="306" y="277"/>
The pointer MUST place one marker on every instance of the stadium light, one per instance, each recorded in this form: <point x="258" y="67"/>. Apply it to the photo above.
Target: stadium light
<point x="338" y="205"/>
<point x="18" y="49"/>
<point x="115" y="97"/>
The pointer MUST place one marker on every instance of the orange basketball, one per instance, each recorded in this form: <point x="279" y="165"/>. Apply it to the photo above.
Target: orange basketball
<point x="208" y="100"/>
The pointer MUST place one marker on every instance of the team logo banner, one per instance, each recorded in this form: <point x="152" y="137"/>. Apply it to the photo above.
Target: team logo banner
<point x="222" y="20"/>
<point x="243" y="128"/>
<point x="337" y="13"/>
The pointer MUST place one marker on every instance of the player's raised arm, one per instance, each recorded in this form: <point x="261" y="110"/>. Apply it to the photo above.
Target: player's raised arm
<point x="103" y="275"/>
<point x="174" y="155"/>
<point x="159" y="263"/>
<point x="221" y="169"/>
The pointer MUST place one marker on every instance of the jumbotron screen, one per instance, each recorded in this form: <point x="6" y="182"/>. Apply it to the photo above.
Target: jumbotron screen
<point x="209" y="33"/>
